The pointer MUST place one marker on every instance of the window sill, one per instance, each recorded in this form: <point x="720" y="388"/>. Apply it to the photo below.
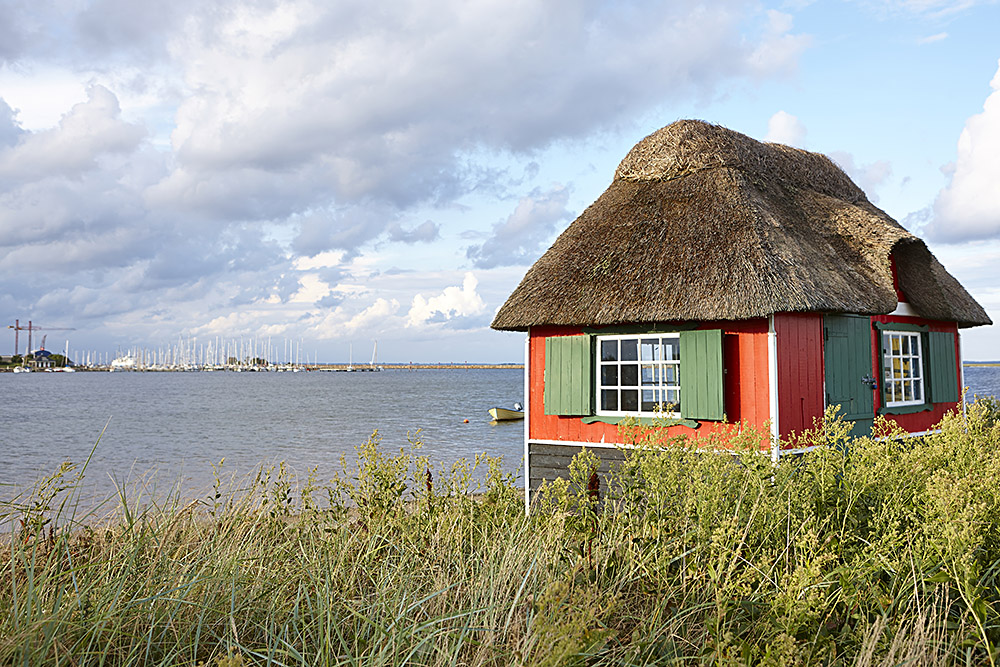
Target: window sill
<point x="644" y="421"/>
<point x="905" y="409"/>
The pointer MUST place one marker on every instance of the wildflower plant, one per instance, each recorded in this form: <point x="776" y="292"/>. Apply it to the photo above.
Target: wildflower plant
<point x="856" y="551"/>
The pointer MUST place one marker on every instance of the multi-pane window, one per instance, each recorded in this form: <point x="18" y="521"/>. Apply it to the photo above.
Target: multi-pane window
<point x="902" y="368"/>
<point x="639" y="375"/>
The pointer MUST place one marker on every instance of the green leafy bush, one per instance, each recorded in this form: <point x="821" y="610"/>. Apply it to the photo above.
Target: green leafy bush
<point x="872" y="551"/>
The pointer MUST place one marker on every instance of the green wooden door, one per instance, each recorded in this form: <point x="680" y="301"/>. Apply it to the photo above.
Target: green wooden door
<point x="847" y="355"/>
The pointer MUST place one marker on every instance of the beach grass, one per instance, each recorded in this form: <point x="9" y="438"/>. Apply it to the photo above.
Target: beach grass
<point x="874" y="551"/>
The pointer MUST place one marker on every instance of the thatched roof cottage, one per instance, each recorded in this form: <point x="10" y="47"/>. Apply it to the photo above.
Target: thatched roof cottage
<point x="729" y="280"/>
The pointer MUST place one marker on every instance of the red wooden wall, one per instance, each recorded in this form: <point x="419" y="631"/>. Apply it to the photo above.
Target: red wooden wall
<point x="745" y="386"/>
<point x="800" y="371"/>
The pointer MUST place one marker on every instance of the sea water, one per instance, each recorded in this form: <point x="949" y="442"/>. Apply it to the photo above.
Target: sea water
<point x="982" y="381"/>
<point x="160" y="430"/>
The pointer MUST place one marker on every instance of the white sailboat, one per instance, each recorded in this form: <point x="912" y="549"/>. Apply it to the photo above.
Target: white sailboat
<point x="65" y="368"/>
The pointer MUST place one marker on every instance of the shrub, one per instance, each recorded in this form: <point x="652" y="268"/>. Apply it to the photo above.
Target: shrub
<point x="868" y="551"/>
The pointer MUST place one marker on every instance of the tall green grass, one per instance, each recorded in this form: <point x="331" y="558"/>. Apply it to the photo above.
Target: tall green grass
<point x="865" y="552"/>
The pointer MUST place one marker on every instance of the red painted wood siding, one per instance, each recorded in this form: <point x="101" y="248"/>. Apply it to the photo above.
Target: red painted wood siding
<point x="801" y="399"/>
<point x="800" y="371"/>
<point x="745" y="386"/>
<point x="744" y="350"/>
<point x="918" y="421"/>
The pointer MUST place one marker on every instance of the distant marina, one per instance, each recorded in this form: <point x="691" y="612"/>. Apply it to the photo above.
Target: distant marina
<point x="243" y="355"/>
<point x="321" y="367"/>
<point x="129" y="365"/>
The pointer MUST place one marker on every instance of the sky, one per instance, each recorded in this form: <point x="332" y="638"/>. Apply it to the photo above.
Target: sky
<point x="323" y="175"/>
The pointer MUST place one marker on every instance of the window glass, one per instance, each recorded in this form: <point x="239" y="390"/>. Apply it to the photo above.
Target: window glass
<point x="902" y="368"/>
<point x="649" y="401"/>
<point x="609" y="400"/>
<point x="639" y="375"/>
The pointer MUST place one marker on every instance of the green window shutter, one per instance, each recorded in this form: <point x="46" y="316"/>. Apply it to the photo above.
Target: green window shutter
<point x="701" y="374"/>
<point x="569" y="377"/>
<point x="943" y="367"/>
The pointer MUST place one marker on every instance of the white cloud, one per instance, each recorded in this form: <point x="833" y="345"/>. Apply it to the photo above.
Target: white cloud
<point x="519" y="238"/>
<point x="425" y="232"/>
<point x="780" y="50"/>
<point x="930" y="39"/>
<point x="246" y="319"/>
<point x="930" y="8"/>
<point x="40" y="94"/>
<point x="452" y="302"/>
<point x="331" y="258"/>
<point x="969" y="206"/>
<point x="346" y="227"/>
<point x="90" y="130"/>
<point x="373" y="316"/>
<point x="303" y="134"/>
<point x="380" y="316"/>
<point x="10" y="129"/>
<point x="312" y="288"/>
<point x="869" y="177"/>
<point x="784" y="128"/>
<point x="381" y="102"/>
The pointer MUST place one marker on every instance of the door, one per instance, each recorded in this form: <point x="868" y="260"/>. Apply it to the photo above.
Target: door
<point x="847" y="356"/>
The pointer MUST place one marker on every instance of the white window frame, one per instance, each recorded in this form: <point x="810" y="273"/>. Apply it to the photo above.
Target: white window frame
<point x="901" y="367"/>
<point x="658" y="368"/>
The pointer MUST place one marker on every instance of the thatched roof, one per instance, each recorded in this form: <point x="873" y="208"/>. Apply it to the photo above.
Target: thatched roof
<point x="703" y="223"/>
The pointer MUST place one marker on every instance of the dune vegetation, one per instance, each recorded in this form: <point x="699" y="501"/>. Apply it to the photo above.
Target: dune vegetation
<point x="874" y="551"/>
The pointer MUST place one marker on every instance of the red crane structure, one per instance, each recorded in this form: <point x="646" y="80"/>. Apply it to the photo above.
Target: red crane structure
<point x="18" y="329"/>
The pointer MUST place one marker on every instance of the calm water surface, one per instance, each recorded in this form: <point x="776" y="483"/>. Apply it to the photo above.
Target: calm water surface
<point x="169" y="428"/>
<point x="983" y="380"/>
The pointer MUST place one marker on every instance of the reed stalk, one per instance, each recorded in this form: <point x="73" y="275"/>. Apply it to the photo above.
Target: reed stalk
<point x="864" y="552"/>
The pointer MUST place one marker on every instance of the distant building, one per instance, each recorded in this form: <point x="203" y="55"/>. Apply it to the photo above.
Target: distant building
<point x="41" y="359"/>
